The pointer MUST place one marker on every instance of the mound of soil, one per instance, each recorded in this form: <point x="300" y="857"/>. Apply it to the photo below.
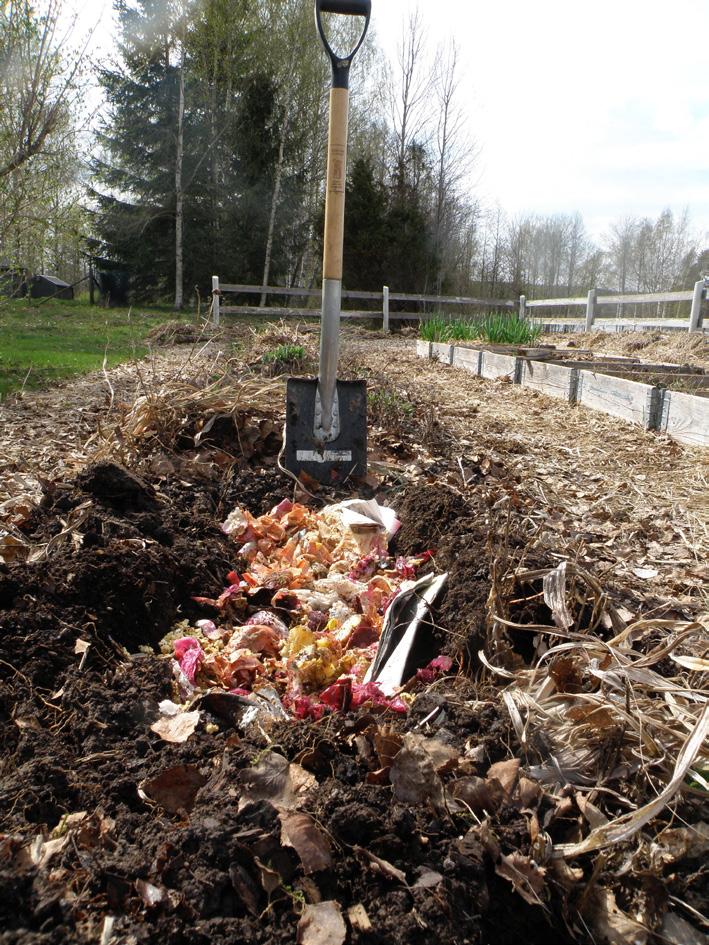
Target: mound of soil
<point x="458" y="531"/>
<point x="81" y="686"/>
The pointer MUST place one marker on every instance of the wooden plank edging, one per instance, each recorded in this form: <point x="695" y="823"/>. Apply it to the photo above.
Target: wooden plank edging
<point x="684" y="417"/>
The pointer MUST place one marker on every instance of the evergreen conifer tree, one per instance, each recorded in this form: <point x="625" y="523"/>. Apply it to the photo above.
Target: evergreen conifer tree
<point x="135" y="173"/>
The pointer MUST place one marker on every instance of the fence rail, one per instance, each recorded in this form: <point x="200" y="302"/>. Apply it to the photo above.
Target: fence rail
<point x="219" y="289"/>
<point x="592" y="302"/>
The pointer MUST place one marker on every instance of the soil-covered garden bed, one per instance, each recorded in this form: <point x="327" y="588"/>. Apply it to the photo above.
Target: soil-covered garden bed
<point x="508" y="800"/>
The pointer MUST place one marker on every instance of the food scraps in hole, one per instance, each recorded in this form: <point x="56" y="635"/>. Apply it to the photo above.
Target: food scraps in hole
<point x="331" y="572"/>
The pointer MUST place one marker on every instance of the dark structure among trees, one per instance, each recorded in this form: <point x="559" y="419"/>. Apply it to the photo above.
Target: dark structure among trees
<point x="45" y="286"/>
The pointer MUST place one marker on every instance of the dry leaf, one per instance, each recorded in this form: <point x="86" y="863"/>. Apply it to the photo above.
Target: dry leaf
<point x="270" y="879"/>
<point x="322" y="924"/>
<point x="680" y="843"/>
<point x="482" y="796"/>
<point x="555" y="596"/>
<point x="301" y="780"/>
<point x="695" y="663"/>
<point x="567" y="875"/>
<point x="445" y="758"/>
<point x="174" y="789"/>
<point x="268" y="780"/>
<point x="42" y="851"/>
<point x="310" y="843"/>
<point x="387" y="745"/>
<point x="529" y="792"/>
<point x="594" y="717"/>
<point x="527" y="878"/>
<point x="176" y="728"/>
<point x="566" y="669"/>
<point x="647" y="574"/>
<point x="13" y="548"/>
<point x="276" y="780"/>
<point x="380" y="776"/>
<point x="506" y="773"/>
<point x="428" y="879"/>
<point x="244" y="887"/>
<point x="413" y="775"/>
<point x="609" y="925"/>
<point x="677" y="931"/>
<point x="594" y="816"/>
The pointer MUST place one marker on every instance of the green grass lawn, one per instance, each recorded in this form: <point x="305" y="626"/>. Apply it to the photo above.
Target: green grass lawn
<point x="43" y="343"/>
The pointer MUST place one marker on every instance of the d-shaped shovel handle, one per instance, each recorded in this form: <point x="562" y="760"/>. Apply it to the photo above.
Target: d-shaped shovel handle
<point x="341" y="64"/>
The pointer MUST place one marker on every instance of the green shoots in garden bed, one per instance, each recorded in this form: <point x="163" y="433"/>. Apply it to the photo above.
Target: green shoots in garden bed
<point x="285" y="353"/>
<point x="283" y="358"/>
<point x="497" y="328"/>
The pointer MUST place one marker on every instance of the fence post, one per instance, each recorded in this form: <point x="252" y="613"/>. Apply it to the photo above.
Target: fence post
<point x="215" y="300"/>
<point x="695" y="316"/>
<point x="591" y="308"/>
<point x="385" y="307"/>
<point x="522" y="307"/>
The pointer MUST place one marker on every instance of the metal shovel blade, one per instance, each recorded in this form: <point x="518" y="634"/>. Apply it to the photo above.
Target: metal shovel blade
<point x="340" y="459"/>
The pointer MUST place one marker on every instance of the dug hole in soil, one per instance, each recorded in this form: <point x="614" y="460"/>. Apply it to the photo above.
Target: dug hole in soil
<point x="87" y="856"/>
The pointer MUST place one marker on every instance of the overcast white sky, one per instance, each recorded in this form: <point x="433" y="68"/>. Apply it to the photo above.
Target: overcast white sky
<point x="601" y="107"/>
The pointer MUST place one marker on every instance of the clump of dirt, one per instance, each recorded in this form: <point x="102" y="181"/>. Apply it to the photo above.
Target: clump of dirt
<point x="115" y="486"/>
<point x="459" y="531"/>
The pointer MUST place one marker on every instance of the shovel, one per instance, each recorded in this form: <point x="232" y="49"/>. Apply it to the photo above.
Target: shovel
<point x="326" y="419"/>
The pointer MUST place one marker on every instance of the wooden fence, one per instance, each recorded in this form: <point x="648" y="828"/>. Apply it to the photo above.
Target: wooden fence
<point x="385" y="297"/>
<point x="593" y="301"/>
<point x="311" y="297"/>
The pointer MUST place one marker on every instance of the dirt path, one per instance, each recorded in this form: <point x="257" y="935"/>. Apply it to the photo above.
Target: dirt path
<point x="634" y="500"/>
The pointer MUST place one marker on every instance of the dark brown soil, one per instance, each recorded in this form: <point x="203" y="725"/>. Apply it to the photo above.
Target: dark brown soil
<point x="76" y="737"/>
<point x="458" y="530"/>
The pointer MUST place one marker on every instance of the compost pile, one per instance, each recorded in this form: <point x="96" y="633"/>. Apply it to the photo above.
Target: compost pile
<point x="329" y="573"/>
<point x="194" y="750"/>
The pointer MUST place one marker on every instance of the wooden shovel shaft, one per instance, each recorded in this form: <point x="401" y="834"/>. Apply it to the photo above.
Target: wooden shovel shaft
<point x="336" y="177"/>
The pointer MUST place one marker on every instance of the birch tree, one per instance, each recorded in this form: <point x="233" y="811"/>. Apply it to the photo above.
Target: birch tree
<point x="40" y="98"/>
<point x="179" y="157"/>
<point x="410" y="95"/>
<point x="454" y="155"/>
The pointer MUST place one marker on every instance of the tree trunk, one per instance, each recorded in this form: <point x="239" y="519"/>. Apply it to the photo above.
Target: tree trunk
<point x="179" y="195"/>
<point x="214" y="123"/>
<point x="276" y="194"/>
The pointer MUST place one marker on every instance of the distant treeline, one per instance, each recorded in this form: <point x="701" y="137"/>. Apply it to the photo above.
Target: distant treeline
<point x="207" y="157"/>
